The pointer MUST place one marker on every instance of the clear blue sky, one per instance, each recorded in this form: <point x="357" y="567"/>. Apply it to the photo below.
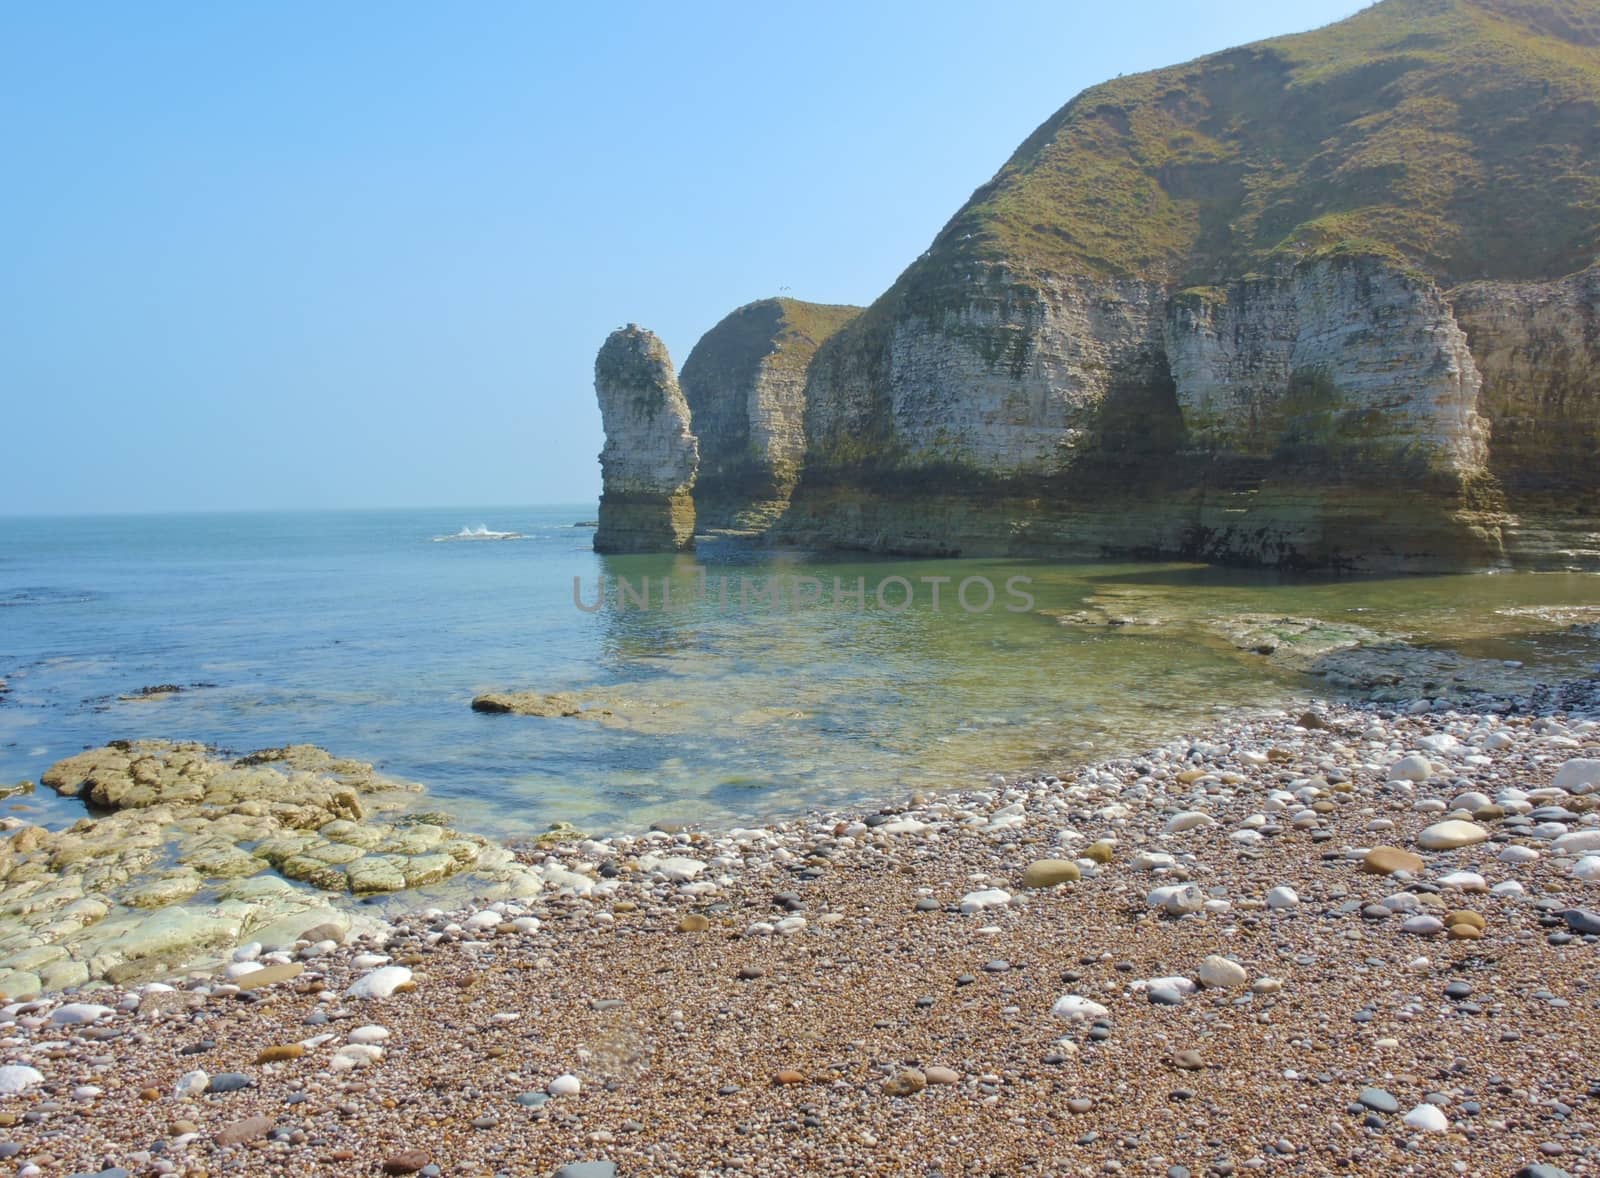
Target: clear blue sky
<point x="338" y="255"/>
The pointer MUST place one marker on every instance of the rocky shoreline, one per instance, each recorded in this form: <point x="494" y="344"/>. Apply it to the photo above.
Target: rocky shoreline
<point x="1353" y="940"/>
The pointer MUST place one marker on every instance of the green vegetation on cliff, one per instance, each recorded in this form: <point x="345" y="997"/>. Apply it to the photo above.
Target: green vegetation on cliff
<point x="1457" y="137"/>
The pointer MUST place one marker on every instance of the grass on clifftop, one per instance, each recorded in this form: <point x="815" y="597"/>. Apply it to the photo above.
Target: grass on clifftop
<point x="1459" y="137"/>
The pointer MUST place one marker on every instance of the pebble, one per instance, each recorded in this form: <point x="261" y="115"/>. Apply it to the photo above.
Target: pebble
<point x="79" y="1012"/>
<point x="905" y="1082"/>
<point x="1047" y="873"/>
<point x="1221" y="974"/>
<point x="1177" y="899"/>
<point x="941" y="1075"/>
<point x="587" y="1170"/>
<point x="565" y="1084"/>
<point x="249" y="1129"/>
<point x="984" y="899"/>
<point x="1583" y="920"/>
<point x="371" y="1033"/>
<point x="380" y="983"/>
<point x="407" y="1161"/>
<point x="1076" y="1008"/>
<point x="1282" y="897"/>
<point x="190" y="1084"/>
<point x="1422" y="926"/>
<point x="693" y="922"/>
<point x="1451" y="834"/>
<point x="1378" y="1100"/>
<point x="270" y="975"/>
<point x="1388" y="860"/>
<point x="1429" y="1118"/>
<point x="282" y="1052"/>
<point x="1414" y="767"/>
<point x="16" y="1078"/>
<point x="229" y="1082"/>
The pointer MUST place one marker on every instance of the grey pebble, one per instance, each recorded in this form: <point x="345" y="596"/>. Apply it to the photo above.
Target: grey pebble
<point x="1584" y="921"/>
<point x="1378" y="1100"/>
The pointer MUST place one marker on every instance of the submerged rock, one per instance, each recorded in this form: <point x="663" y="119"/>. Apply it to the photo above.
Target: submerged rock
<point x="182" y="864"/>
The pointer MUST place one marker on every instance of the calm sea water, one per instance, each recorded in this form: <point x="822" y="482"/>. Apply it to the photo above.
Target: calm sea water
<point x="357" y="631"/>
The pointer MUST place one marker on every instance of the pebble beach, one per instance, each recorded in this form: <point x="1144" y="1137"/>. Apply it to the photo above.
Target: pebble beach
<point x="1347" y="940"/>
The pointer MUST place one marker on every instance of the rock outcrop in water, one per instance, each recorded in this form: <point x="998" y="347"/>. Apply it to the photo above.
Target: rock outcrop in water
<point x="1323" y="301"/>
<point x="745" y="383"/>
<point x="650" y="458"/>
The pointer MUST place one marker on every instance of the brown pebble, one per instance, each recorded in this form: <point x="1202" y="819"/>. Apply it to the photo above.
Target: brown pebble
<point x="1388" y="860"/>
<point x="407" y="1161"/>
<point x="1189" y="1060"/>
<point x="905" y="1082"/>
<point x="1100" y="852"/>
<point x="693" y="923"/>
<point x="1464" y="932"/>
<point x="150" y="1094"/>
<point x="181" y="1126"/>
<point x="268" y="975"/>
<point x="281" y="1052"/>
<point x="789" y="1076"/>
<point x="1467" y="916"/>
<point x="938" y="1075"/>
<point x="248" y="1129"/>
<point x="749" y="973"/>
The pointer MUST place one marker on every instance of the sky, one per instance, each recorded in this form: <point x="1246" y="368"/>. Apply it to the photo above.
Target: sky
<point x="296" y="255"/>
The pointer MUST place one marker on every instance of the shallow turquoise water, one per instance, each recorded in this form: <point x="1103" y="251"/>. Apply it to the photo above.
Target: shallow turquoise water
<point x="355" y="631"/>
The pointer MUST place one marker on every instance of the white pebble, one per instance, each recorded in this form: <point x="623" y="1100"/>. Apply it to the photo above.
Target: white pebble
<point x="565" y="1084"/>
<point x="1076" y="1008"/>
<point x="380" y="983"/>
<point x="79" y="1012"/>
<point x="1429" y="1118"/>
<point x="1282" y="897"/>
<point x="985" y="898"/>
<point x="17" y="1077"/>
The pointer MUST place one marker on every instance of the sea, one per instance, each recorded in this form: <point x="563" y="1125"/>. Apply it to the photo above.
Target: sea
<point x="728" y="686"/>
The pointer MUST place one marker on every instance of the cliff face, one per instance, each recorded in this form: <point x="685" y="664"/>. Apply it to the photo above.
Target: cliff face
<point x="1272" y="306"/>
<point x="1537" y="346"/>
<point x="648" y="465"/>
<point x="745" y="385"/>
<point x="1325" y="301"/>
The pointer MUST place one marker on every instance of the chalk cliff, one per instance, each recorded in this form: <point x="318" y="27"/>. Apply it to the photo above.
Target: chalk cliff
<point x="1325" y="301"/>
<point x="648" y="465"/>
<point x="1311" y="302"/>
<point x="745" y="383"/>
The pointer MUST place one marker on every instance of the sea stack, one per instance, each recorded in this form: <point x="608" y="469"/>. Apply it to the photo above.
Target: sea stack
<point x="745" y="382"/>
<point x="648" y="465"/>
